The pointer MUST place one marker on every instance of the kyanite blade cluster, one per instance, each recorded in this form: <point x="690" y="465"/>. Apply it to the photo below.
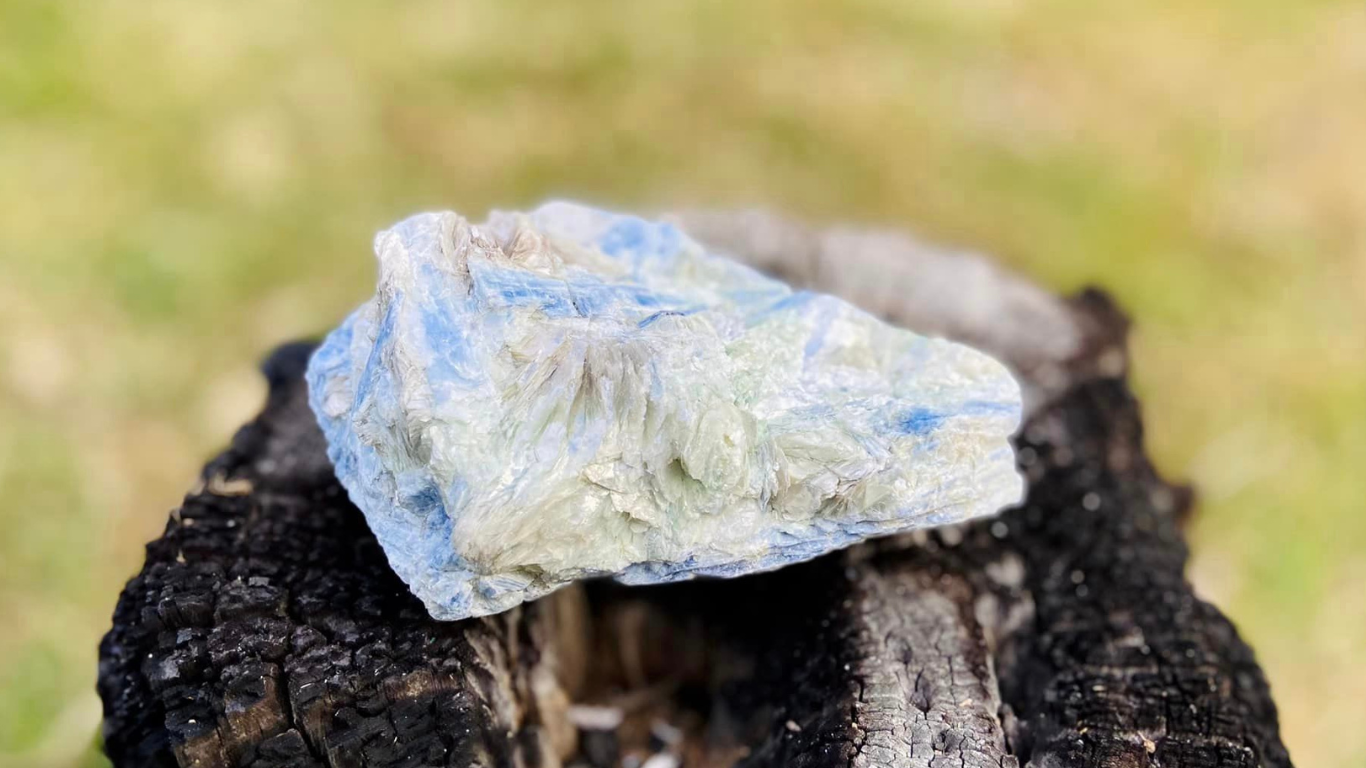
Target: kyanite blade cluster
<point x="572" y="393"/>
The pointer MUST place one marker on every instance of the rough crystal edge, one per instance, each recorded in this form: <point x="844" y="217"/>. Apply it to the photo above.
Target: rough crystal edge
<point x="496" y="594"/>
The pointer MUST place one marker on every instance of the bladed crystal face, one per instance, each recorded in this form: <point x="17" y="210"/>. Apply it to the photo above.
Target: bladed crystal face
<point x="572" y="393"/>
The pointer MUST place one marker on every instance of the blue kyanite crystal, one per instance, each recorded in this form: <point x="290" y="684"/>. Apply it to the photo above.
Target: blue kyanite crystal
<point x="573" y="393"/>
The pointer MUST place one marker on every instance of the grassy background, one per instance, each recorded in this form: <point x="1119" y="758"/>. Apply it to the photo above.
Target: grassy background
<point x="182" y="185"/>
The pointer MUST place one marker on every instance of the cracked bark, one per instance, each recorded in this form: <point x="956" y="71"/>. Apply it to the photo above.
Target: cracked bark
<point x="266" y="628"/>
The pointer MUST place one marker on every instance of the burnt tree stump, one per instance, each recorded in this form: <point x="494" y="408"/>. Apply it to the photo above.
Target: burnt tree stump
<point x="266" y="628"/>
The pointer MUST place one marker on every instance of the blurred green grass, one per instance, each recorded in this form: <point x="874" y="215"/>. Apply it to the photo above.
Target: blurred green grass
<point x="184" y="185"/>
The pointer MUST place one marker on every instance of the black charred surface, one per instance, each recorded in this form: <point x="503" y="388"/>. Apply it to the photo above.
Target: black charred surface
<point x="1122" y="664"/>
<point x="1073" y="620"/>
<point x="1099" y="653"/>
<point x="266" y="628"/>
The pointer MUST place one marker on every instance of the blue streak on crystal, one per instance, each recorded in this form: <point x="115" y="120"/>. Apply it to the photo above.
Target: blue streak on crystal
<point x="638" y="239"/>
<point x="648" y="321"/>
<point x="920" y="421"/>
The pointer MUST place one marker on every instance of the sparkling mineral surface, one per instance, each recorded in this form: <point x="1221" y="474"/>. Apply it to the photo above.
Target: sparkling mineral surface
<point x="573" y="393"/>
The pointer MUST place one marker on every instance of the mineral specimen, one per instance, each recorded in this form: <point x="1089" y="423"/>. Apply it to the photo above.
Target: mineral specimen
<point x="573" y="393"/>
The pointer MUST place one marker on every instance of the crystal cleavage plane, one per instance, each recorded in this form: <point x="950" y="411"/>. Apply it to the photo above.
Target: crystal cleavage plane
<point x="572" y="393"/>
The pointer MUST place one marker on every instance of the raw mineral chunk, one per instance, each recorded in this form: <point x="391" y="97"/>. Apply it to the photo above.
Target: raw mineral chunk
<point x="573" y="393"/>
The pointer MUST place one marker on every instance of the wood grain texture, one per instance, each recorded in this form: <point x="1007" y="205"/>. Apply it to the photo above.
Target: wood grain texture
<point x="266" y="628"/>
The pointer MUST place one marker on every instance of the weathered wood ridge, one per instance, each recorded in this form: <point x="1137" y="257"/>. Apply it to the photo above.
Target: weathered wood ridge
<point x="266" y="628"/>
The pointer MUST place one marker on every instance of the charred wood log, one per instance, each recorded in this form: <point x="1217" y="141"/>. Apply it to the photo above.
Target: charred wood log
<point x="266" y="628"/>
